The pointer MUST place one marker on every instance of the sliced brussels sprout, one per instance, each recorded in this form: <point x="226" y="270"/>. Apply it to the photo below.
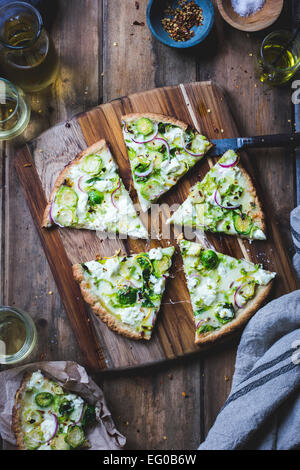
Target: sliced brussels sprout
<point x="66" y="217"/>
<point x="144" y="126"/>
<point x="59" y="443"/>
<point x="152" y="191"/>
<point x="242" y="224"/>
<point x="92" y="164"/>
<point x="75" y="436"/>
<point x="209" y="259"/>
<point x="33" y="439"/>
<point x="33" y="417"/>
<point x="161" y="266"/>
<point x="95" y="197"/>
<point x="66" y="197"/>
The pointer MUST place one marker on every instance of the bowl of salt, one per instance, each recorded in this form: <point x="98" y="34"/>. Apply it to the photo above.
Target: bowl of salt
<point x="250" y="15"/>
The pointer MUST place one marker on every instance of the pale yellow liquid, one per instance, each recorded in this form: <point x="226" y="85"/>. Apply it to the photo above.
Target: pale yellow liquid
<point x="12" y="334"/>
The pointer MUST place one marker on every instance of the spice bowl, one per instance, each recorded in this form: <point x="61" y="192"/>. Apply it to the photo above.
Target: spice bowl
<point x="262" y="19"/>
<point x="156" y="12"/>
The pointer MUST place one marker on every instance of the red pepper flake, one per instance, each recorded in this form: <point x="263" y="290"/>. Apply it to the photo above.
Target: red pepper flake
<point x="178" y="22"/>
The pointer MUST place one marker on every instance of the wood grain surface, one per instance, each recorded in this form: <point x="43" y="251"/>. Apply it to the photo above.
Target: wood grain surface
<point x="203" y="106"/>
<point x="147" y="406"/>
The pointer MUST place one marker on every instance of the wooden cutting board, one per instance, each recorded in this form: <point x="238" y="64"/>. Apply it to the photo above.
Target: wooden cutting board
<point x="203" y="106"/>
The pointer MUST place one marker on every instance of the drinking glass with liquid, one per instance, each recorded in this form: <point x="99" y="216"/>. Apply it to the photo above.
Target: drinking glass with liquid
<point x="14" y="110"/>
<point x="27" y="53"/>
<point x="17" y="335"/>
<point x="278" y="58"/>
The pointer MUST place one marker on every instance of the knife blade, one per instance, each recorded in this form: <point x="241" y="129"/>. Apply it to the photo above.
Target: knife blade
<point x="259" y="141"/>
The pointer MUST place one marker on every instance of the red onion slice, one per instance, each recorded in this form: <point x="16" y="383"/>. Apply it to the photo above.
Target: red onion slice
<point x="230" y="165"/>
<point x="79" y="184"/>
<point x="146" y="172"/>
<point x="149" y="138"/>
<point x="166" y="145"/>
<point x="188" y="151"/>
<point x="125" y="127"/>
<point x="38" y="441"/>
<point x="218" y="200"/>
<point x="55" y="428"/>
<point x="199" y="323"/>
<point x="50" y="212"/>
<point x="235" y="296"/>
<point x="113" y="194"/>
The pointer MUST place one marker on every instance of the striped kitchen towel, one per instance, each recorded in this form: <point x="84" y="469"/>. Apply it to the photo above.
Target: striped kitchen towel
<point x="263" y="408"/>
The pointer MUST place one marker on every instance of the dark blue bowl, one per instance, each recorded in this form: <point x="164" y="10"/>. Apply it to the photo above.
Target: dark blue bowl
<point x="155" y="13"/>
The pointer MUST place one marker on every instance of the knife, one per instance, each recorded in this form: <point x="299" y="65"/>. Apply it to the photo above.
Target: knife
<point x="259" y="141"/>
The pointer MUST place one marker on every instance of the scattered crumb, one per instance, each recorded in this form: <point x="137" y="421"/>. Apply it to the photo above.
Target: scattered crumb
<point x="27" y="165"/>
<point x="170" y="376"/>
<point x="226" y="378"/>
<point x="184" y="395"/>
<point x="115" y="44"/>
<point x="165" y="438"/>
<point x="50" y="292"/>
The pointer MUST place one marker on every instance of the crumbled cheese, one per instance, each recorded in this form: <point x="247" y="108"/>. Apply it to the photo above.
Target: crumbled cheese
<point x="155" y="253"/>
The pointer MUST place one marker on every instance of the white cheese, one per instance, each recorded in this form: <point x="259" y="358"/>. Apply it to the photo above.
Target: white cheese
<point x="207" y="291"/>
<point x="155" y="253"/>
<point x="259" y="235"/>
<point x="159" y="286"/>
<point x="48" y="425"/>
<point x="36" y="380"/>
<point x="263" y="277"/>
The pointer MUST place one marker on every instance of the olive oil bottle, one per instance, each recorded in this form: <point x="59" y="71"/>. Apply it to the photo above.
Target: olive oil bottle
<point x="27" y="54"/>
<point x="279" y="58"/>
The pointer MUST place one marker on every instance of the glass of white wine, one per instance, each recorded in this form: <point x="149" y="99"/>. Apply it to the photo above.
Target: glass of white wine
<point x="14" y="110"/>
<point x="27" y="53"/>
<point x="17" y="335"/>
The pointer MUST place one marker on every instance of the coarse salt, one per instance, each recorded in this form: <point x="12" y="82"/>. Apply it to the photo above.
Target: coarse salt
<point x="247" y="7"/>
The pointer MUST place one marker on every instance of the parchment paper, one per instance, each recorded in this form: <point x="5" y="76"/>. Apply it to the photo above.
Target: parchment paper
<point x="73" y="377"/>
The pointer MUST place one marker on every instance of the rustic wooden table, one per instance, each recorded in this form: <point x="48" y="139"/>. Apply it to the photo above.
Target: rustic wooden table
<point x="104" y="56"/>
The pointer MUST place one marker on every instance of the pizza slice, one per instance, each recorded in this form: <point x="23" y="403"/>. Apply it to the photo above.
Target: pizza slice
<point x="225" y="292"/>
<point x="47" y="417"/>
<point x="126" y="291"/>
<point x="89" y="194"/>
<point x="224" y="201"/>
<point x="161" y="150"/>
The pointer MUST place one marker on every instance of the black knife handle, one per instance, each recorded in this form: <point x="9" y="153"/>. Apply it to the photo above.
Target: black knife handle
<point x="276" y="140"/>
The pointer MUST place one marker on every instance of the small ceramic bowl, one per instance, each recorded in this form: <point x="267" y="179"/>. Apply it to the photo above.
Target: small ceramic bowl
<point x="155" y="13"/>
<point x="262" y="19"/>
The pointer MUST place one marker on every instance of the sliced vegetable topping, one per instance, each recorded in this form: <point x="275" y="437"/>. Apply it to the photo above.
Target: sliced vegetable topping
<point x="66" y="197"/>
<point x="95" y="197"/>
<point x="66" y="217"/>
<point x="92" y="164"/>
<point x="242" y="224"/>
<point x="75" y="436"/>
<point x="144" y="126"/>
<point x="126" y="296"/>
<point x="209" y="259"/>
<point x="44" y="399"/>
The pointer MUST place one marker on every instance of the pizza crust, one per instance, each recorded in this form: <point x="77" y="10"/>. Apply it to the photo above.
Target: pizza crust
<point x="17" y="413"/>
<point x="97" y="147"/>
<point x="243" y="316"/>
<point x="100" y="310"/>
